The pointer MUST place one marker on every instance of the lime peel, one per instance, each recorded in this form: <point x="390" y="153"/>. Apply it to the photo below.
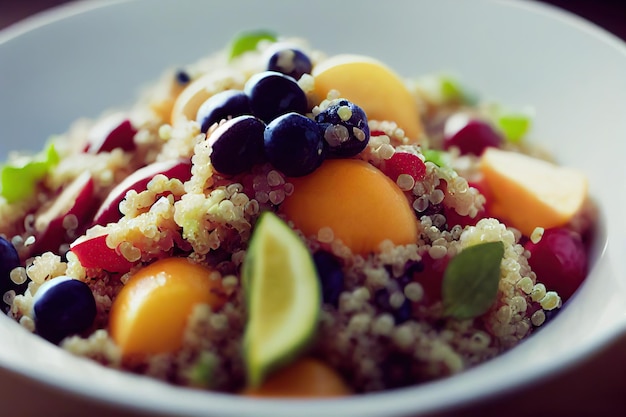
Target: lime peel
<point x="283" y="297"/>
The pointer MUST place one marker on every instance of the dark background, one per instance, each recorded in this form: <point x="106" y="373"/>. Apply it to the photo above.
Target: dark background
<point x="595" y="387"/>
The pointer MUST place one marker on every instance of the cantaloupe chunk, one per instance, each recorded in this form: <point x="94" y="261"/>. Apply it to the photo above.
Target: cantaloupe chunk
<point x="359" y="203"/>
<point x="530" y="192"/>
<point x="150" y="313"/>
<point x="305" y="378"/>
<point x="373" y="86"/>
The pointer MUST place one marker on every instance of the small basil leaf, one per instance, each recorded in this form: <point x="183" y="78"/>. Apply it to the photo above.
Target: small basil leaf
<point x="247" y="41"/>
<point x="470" y="283"/>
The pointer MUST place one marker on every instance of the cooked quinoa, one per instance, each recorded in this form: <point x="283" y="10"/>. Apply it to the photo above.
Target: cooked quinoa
<point x="387" y="328"/>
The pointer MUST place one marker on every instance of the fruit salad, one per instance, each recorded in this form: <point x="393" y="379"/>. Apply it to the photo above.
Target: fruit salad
<point x="272" y="221"/>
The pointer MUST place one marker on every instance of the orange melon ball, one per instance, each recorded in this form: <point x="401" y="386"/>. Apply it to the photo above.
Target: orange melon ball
<point x="304" y="378"/>
<point x="359" y="203"/>
<point x="150" y="313"/>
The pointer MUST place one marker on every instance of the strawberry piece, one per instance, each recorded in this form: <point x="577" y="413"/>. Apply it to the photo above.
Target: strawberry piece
<point x="404" y="163"/>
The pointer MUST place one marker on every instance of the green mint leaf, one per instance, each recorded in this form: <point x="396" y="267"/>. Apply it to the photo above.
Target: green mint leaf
<point x="470" y="283"/>
<point x="247" y="41"/>
<point x="18" y="179"/>
<point x="435" y="156"/>
<point x="514" y="126"/>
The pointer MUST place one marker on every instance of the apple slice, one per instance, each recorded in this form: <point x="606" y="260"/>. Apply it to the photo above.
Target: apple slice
<point x="93" y="252"/>
<point x="529" y="192"/>
<point x="75" y="200"/>
<point x="114" y="131"/>
<point x="109" y="211"/>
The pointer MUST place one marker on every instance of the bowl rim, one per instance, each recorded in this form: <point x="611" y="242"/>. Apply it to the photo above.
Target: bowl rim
<point x="235" y="405"/>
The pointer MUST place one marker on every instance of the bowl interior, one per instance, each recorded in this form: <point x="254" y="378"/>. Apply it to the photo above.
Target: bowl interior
<point x="90" y="56"/>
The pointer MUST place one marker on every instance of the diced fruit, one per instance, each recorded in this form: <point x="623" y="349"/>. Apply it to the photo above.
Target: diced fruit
<point x="283" y="297"/>
<point x="377" y="89"/>
<point x="109" y="211"/>
<point x="346" y="194"/>
<point x="289" y="61"/>
<point x="293" y="144"/>
<point x="560" y="261"/>
<point x="62" y="307"/>
<point x="273" y="94"/>
<point x="305" y="378"/>
<point x="151" y="311"/>
<point x="70" y="210"/>
<point x="529" y="192"/>
<point x="93" y="252"/>
<point x="113" y="131"/>
<point x="248" y="41"/>
<point x="237" y="145"/>
<point x="229" y="103"/>
<point x="514" y="126"/>
<point x="9" y="260"/>
<point x="18" y="179"/>
<point x="404" y="163"/>
<point x="195" y="93"/>
<point x="345" y="128"/>
<point x="331" y="276"/>
<point x="470" y="136"/>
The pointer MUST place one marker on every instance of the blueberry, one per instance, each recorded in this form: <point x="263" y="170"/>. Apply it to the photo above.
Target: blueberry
<point x="400" y="314"/>
<point x="273" y="94"/>
<point x="229" y="103"/>
<point x="291" y="62"/>
<point x="331" y="276"/>
<point x="345" y="128"/>
<point x="9" y="259"/>
<point x="62" y="307"/>
<point x="237" y="145"/>
<point x="293" y="144"/>
<point x="182" y="77"/>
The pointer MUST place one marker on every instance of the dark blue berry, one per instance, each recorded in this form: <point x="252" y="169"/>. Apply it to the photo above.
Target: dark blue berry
<point x="9" y="260"/>
<point x="400" y="314"/>
<point x="291" y="62"/>
<point x="237" y="145"/>
<point x="273" y="94"/>
<point x="293" y="144"/>
<point x="345" y="128"/>
<point x="63" y="307"/>
<point x="331" y="276"/>
<point x="182" y="77"/>
<point x="229" y="103"/>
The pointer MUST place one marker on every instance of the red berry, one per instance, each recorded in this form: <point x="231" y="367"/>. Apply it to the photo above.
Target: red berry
<point x="560" y="261"/>
<point x="404" y="163"/>
<point x="471" y="136"/>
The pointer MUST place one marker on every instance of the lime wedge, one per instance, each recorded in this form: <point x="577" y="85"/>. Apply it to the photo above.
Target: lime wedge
<point x="283" y="297"/>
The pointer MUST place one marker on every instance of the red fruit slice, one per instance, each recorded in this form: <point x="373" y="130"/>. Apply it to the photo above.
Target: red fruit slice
<point x="93" y="252"/>
<point x="114" y="131"/>
<point x="404" y="163"/>
<point x="109" y="211"/>
<point x="75" y="200"/>
<point x="560" y="260"/>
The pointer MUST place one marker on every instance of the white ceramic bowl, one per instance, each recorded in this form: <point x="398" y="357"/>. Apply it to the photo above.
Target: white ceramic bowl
<point x="80" y="59"/>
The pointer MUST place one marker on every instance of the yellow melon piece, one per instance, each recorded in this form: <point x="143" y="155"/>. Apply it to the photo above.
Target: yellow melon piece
<point x="198" y="91"/>
<point x="359" y="203"/>
<point x="150" y="313"/>
<point x="530" y="192"/>
<point x="373" y="86"/>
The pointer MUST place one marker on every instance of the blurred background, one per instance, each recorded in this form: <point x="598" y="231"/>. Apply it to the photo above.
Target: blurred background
<point x="596" y="387"/>
<point x="609" y="14"/>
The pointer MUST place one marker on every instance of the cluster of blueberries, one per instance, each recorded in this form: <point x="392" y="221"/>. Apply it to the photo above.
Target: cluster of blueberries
<point x="267" y="122"/>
